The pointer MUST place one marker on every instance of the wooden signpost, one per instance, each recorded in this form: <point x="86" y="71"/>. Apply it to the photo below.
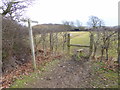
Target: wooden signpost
<point x="31" y="40"/>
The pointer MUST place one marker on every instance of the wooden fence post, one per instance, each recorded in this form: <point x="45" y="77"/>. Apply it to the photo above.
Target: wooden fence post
<point x="68" y="42"/>
<point x="63" y="42"/>
<point x="91" y="44"/>
<point x="43" y="38"/>
<point x="51" y="42"/>
<point x="56" y="42"/>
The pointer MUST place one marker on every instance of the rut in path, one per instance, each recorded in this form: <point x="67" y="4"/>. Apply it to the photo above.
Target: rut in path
<point x="67" y="74"/>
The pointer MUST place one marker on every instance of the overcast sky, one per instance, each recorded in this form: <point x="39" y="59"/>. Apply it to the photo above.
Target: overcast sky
<point x="56" y="11"/>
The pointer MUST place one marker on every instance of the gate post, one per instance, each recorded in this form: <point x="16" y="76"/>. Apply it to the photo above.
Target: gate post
<point x="51" y="42"/>
<point x="68" y="42"/>
<point x="91" y="44"/>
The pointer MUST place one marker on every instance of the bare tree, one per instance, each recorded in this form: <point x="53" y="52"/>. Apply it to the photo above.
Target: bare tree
<point x="66" y="22"/>
<point x="14" y="8"/>
<point x="69" y="23"/>
<point x="107" y="37"/>
<point x="15" y="44"/>
<point x="95" y="22"/>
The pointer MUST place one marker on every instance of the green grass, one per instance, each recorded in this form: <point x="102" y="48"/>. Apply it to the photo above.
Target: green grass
<point x="80" y="38"/>
<point x="21" y="83"/>
<point x="105" y="78"/>
<point x="84" y="39"/>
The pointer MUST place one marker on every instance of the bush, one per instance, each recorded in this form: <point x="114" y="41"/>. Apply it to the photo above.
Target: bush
<point x="15" y="44"/>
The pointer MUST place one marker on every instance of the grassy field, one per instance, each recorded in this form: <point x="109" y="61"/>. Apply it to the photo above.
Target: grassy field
<point x="80" y="38"/>
<point x="83" y="38"/>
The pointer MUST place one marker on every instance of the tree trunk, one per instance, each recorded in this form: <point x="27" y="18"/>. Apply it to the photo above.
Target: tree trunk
<point x="95" y="49"/>
<point x="68" y="43"/>
<point x="106" y="53"/>
<point x="107" y="48"/>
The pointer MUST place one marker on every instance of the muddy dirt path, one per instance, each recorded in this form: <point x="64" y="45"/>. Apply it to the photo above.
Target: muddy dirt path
<point x="66" y="74"/>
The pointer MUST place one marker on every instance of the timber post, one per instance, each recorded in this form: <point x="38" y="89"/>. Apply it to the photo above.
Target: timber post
<point x="68" y="42"/>
<point x="31" y="40"/>
<point x="91" y="44"/>
<point x="51" y="42"/>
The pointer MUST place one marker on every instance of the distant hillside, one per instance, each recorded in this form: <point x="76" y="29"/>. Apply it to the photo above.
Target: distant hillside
<point x="43" y="28"/>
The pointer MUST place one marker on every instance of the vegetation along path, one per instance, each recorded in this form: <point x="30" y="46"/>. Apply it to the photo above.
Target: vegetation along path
<point x="66" y="74"/>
